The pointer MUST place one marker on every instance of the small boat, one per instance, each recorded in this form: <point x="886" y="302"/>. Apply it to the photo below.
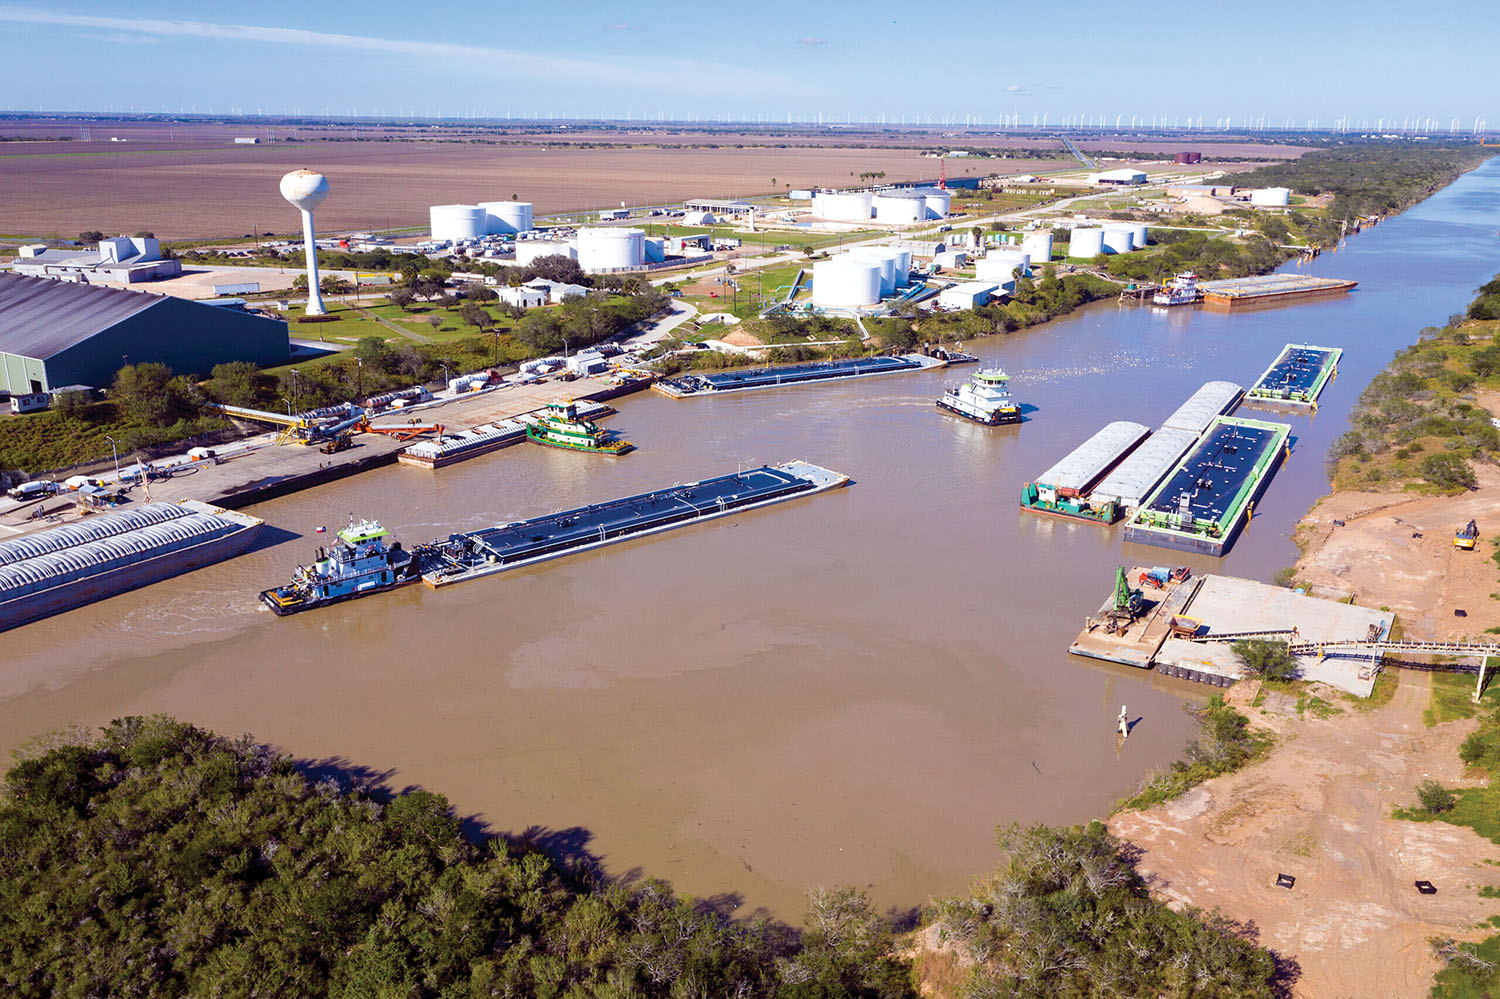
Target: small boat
<point x="1182" y="290"/>
<point x="361" y="563"/>
<point x="561" y="426"/>
<point x="984" y="399"/>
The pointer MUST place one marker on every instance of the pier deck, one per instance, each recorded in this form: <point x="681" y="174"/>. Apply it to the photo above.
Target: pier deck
<point x="1139" y="642"/>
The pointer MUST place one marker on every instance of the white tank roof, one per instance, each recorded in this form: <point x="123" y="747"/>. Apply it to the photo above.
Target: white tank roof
<point x="1133" y="479"/>
<point x="1085" y="462"/>
<point x="1213" y="399"/>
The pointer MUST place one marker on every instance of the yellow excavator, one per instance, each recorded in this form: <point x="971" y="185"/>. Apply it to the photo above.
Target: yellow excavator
<point x="1465" y="536"/>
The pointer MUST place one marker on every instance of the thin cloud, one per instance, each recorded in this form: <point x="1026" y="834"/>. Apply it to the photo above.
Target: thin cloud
<point x="509" y="61"/>
<point x="809" y="40"/>
<point x="622" y="26"/>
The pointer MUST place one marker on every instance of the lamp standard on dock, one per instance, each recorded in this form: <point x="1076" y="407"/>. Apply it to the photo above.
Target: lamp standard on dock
<point x="116" y="453"/>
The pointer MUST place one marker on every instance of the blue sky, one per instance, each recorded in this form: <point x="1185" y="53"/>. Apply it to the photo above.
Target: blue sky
<point x="764" y="61"/>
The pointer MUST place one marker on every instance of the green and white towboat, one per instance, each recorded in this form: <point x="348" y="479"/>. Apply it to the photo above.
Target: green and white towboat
<point x="561" y="426"/>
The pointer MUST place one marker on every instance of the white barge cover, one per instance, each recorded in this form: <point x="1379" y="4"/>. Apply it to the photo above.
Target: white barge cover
<point x="1134" y="478"/>
<point x="1213" y="399"/>
<point x="1075" y="473"/>
<point x="64" y="555"/>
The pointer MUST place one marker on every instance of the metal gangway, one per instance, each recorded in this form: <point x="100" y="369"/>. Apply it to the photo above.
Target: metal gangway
<point x="1377" y="648"/>
<point x="1244" y="636"/>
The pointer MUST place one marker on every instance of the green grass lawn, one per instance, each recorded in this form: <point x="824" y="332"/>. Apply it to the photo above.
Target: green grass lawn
<point x="1452" y="698"/>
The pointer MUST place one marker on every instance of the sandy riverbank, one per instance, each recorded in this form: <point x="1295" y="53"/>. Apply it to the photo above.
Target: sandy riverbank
<point x="1319" y="808"/>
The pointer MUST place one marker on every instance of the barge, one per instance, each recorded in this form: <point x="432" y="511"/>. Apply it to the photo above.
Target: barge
<point x="361" y="564"/>
<point x="462" y="445"/>
<point x="1298" y="375"/>
<point x="793" y="374"/>
<point x="1134" y="478"/>
<point x="65" y="567"/>
<point x="1269" y="289"/>
<point x="1209" y="497"/>
<point x="462" y="557"/>
<point x="1062" y="490"/>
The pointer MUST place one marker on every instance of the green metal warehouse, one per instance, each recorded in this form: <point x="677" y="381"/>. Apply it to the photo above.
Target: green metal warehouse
<point x="56" y="333"/>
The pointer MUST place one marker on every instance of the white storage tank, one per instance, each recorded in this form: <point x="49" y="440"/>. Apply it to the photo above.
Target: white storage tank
<point x="1271" y="196"/>
<point x="903" y="266"/>
<point x="1038" y="247"/>
<point x="530" y="250"/>
<point x="508" y="217"/>
<point x="938" y="202"/>
<point x="898" y="206"/>
<point x="1000" y="266"/>
<point x="656" y="249"/>
<point x="877" y="256"/>
<point x="456" y="222"/>
<point x="1086" y="243"/>
<point x="610" y="249"/>
<point x="1118" y="240"/>
<point x="845" y="282"/>
<point x="850" y="206"/>
<point x="1139" y="232"/>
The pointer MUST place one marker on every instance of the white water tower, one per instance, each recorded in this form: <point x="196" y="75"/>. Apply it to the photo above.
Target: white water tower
<point x="306" y="189"/>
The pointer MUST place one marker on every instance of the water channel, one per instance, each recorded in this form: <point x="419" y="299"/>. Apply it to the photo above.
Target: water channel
<point x="853" y="688"/>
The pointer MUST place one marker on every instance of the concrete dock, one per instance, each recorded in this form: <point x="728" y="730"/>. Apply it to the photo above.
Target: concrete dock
<point x="1225" y="607"/>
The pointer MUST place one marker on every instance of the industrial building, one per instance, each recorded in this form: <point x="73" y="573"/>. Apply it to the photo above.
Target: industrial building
<point x="717" y="206"/>
<point x="121" y="260"/>
<point x="57" y="333"/>
<point x="967" y="295"/>
<point x="460" y="223"/>
<point x="1125" y="175"/>
<point x="603" y="250"/>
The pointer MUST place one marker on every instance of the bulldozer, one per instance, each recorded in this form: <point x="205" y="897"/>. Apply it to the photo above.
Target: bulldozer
<point x="1465" y="537"/>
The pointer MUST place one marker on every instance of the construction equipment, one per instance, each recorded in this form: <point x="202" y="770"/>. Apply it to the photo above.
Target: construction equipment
<point x="337" y="443"/>
<point x="1157" y="577"/>
<point x="1126" y="607"/>
<point x="401" y="431"/>
<point x="1465" y="537"/>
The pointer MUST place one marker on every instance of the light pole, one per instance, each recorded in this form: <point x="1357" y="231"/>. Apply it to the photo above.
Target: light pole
<point x="294" y="386"/>
<point x="114" y="451"/>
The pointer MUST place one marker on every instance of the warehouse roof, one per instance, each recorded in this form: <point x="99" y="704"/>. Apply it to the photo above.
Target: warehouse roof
<point x="41" y="317"/>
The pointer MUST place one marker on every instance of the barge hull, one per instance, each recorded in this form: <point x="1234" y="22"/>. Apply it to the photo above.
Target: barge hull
<point x="998" y="420"/>
<point x="485" y="552"/>
<point x="805" y="374"/>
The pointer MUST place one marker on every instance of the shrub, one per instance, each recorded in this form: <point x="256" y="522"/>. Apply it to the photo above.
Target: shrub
<point x="1448" y="471"/>
<point x="1267" y="659"/>
<point x="1435" y="798"/>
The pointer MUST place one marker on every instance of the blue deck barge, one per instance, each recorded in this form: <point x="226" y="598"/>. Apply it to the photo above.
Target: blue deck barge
<point x="480" y="553"/>
<point x="792" y="374"/>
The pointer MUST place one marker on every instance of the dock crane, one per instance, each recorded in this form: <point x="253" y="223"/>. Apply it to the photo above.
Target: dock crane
<point x="1127" y="604"/>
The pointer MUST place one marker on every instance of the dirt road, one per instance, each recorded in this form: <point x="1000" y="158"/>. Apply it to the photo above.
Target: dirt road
<point x="1319" y="808"/>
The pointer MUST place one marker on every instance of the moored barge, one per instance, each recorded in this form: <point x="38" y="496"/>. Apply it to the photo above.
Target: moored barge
<point x="1269" y="289"/>
<point x="793" y="374"/>
<point x="470" y="555"/>
<point x="1298" y="375"/>
<point x="1062" y="490"/>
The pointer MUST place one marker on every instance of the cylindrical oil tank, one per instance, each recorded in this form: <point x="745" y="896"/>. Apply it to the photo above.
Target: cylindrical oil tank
<point x="876" y="256"/>
<point x="1272" y="196"/>
<point x="1038" y="247"/>
<point x="602" y="249"/>
<point x="938" y="202"/>
<point x="844" y="282"/>
<point x="1139" y="232"/>
<point x="506" y="217"/>
<point x="456" y="222"/>
<point x="898" y="207"/>
<point x="656" y="249"/>
<point x="1120" y="240"/>
<point x="1086" y="243"/>
<point x="1000" y="266"/>
<point x="843" y="206"/>
<point x="903" y="266"/>
<point x="530" y="250"/>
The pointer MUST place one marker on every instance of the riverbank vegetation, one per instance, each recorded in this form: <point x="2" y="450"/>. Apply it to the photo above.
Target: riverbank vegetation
<point x="1419" y="425"/>
<point x="1223" y="743"/>
<point x="1067" y="914"/>
<point x="1036" y="300"/>
<point x="158" y="859"/>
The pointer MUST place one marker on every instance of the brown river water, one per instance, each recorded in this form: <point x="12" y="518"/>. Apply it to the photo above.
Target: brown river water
<point x="852" y="688"/>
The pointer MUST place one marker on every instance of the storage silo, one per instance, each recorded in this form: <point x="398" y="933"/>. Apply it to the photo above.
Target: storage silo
<point x="531" y="250"/>
<point x="1038" y="247"/>
<point x="456" y="222"/>
<point x="1000" y="266"/>
<point x="1271" y="197"/>
<point x="877" y="256"/>
<point x="1086" y="243"/>
<point x="843" y="206"/>
<point x="844" y="282"/>
<point x="898" y="207"/>
<point x="1118" y="240"/>
<point x="610" y="249"/>
<point x="508" y="217"/>
<point x="938" y="202"/>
